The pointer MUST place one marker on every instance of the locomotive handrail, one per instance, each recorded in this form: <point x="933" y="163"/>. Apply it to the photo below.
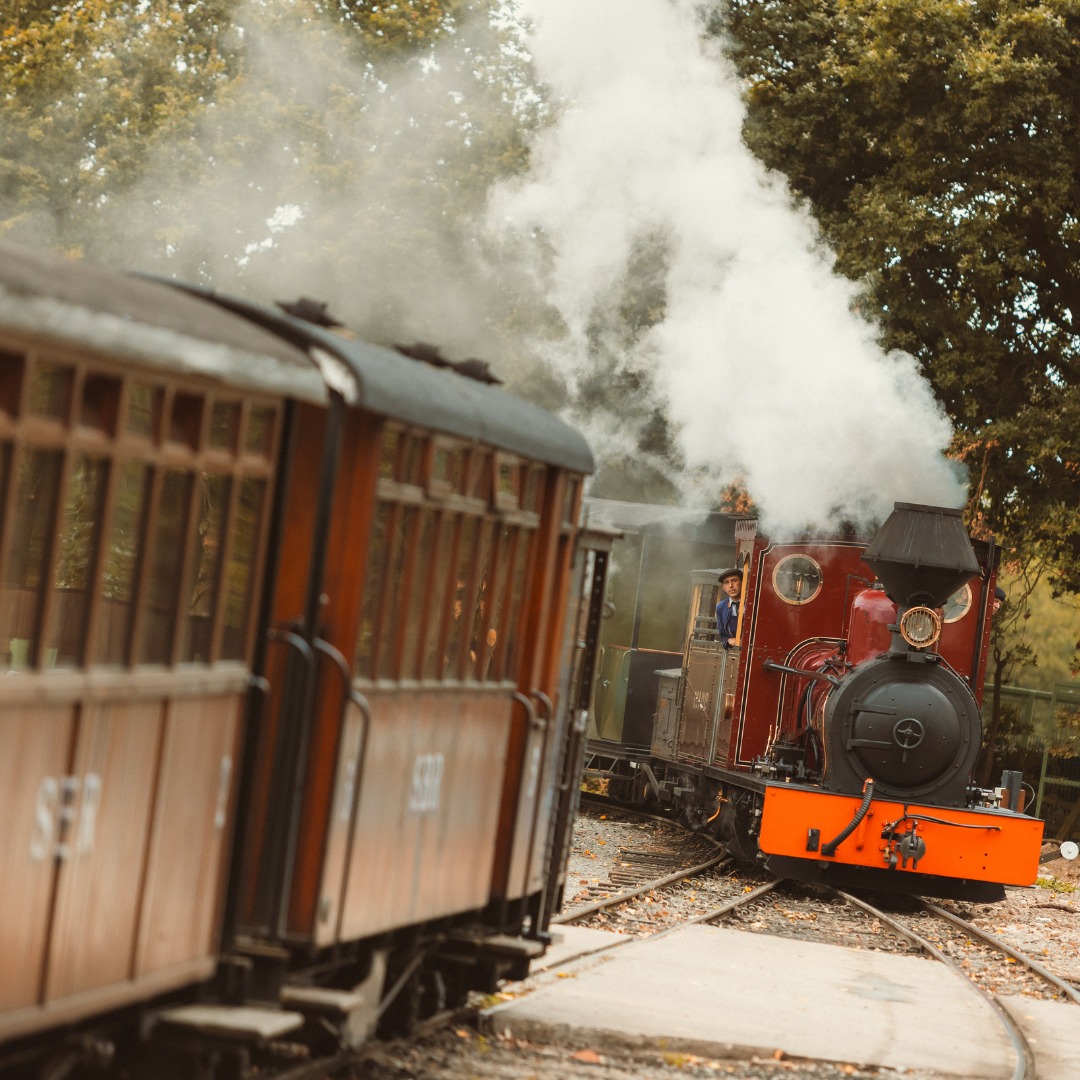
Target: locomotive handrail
<point x="890" y="826"/>
<point x="820" y="676"/>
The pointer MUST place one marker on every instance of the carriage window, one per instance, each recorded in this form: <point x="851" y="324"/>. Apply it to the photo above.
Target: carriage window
<point x="76" y="539"/>
<point x="224" y="425"/>
<point x="24" y="579"/>
<point x="507" y="483"/>
<point x="484" y="635"/>
<point x="259" y="438"/>
<point x="100" y="404"/>
<point x="461" y="611"/>
<point x="448" y="469"/>
<point x="201" y="602"/>
<point x="50" y="391"/>
<point x="163" y="589"/>
<point x="118" y="580"/>
<point x="391" y="587"/>
<point x="185" y="421"/>
<point x="364" y="660"/>
<point x="103" y="533"/>
<point x="517" y="598"/>
<point x="505" y="548"/>
<point x="441" y="595"/>
<point x="422" y="621"/>
<point x="11" y="376"/>
<point x="388" y="458"/>
<point x="247" y="527"/>
<point x="144" y="411"/>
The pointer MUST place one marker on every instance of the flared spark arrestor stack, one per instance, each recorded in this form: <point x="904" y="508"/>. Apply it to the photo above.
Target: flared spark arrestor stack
<point x="922" y="555"/>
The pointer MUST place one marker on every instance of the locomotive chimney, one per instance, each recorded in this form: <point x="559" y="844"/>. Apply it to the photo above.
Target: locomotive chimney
<point x="922" y="555"/>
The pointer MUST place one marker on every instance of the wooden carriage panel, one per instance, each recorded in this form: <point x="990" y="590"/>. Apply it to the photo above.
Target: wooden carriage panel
<point x="112" y="780"/>
<point x="186" y="861"/>
<point x="35" y="746"/>
<point x="534" y="731"/>
<point x="428" y="800"/>
<point x="458" y="840"/>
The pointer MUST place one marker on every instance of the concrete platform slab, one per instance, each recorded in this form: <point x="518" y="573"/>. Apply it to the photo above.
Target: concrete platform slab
<point x="1053" y="1032"/>
<point x="728" y="993"/>
<point x="571" y="942"/>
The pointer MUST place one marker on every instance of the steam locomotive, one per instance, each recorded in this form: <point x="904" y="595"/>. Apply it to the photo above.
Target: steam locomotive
<point x="833" y="738"/>
<point x="290" y="693"/>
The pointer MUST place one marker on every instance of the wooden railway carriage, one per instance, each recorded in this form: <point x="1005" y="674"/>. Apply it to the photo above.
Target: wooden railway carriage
<point x="283" y="625"/>
<point x="430" y="645"/>
<point x="139" y="447"/>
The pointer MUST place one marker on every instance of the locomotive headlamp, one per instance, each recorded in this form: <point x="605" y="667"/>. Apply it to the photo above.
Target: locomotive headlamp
<point x="920" y="627"/>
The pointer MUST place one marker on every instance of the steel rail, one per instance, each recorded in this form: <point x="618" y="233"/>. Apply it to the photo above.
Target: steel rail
<point x="632" y="894"/>
<point x="737" y="902"/>
<point x="1025" y="1056"/>
<point x="1003" y="946"/>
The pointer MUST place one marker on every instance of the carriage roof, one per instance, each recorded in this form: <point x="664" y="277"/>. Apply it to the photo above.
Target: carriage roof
<point x="188" y="329"/>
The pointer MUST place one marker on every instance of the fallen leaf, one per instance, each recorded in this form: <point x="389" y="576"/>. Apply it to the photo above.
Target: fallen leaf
<point x="590" y="1056"/>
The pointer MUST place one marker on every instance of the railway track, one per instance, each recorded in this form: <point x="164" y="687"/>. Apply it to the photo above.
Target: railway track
<point x="721" y="892"/>
<point x="984" y="963"/>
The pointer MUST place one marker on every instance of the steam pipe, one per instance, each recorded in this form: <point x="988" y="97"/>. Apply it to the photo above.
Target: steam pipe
<point x="868" y="794"/>
<point x="820" y="676"/>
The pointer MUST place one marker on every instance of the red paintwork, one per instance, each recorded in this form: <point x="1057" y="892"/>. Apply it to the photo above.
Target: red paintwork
<point x="847" y="621"/>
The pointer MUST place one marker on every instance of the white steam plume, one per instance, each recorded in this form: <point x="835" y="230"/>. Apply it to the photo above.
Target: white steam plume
<point x="767" y="370"/>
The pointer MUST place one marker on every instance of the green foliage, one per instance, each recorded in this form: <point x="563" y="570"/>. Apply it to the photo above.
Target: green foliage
<point x="1047" y="625"/>
<point x="392" y="25"/>
<point x="1055" y="885"/>
<point x="937" y="144"/>
<point x="84" y="88"/>
<point x="348" y="147"/>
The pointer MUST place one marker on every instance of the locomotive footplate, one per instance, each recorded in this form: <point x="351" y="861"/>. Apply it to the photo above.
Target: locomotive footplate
<point x="894" y="841"/>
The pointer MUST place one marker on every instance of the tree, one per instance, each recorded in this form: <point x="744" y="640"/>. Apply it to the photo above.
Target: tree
<point x="83" y="89"/>
<point x="937" y="145"/>
<point x="340" y="147"/>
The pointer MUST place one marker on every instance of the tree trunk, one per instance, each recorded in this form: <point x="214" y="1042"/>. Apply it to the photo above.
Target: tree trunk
<point x="990" y="745"/>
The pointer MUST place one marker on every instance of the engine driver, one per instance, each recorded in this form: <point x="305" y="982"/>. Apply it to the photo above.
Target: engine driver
<point x="727" y="611"/>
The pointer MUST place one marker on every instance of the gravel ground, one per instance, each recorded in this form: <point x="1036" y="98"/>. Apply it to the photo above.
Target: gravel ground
<point x="1043" y="920"/>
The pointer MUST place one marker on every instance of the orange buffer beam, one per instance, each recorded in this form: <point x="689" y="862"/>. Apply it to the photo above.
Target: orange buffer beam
<point x="993" y="845"/>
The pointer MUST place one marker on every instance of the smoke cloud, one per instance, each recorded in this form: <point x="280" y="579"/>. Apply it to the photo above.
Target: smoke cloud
<point x="336" y="173"/>
<point x="765" y="368"/>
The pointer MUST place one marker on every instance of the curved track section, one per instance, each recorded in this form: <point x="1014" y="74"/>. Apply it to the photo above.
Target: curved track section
<point x="1025" y="1068"/>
